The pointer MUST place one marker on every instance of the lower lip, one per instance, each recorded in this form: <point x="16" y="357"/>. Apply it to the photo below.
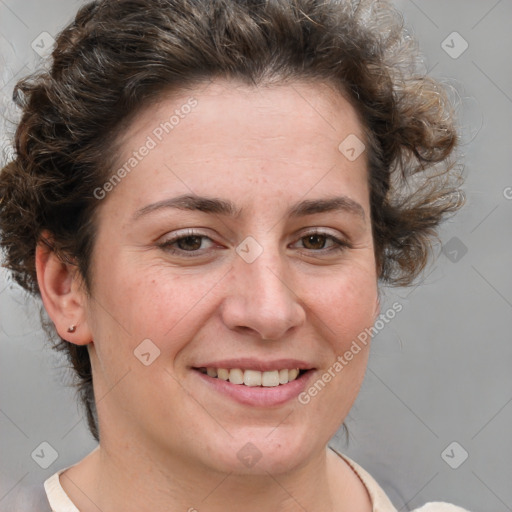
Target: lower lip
<point x="258" y="395"/>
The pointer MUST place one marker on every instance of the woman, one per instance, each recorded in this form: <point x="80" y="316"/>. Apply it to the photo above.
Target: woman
<point x="206" y="196"/>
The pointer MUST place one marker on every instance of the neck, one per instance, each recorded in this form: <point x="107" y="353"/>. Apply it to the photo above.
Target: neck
<point x="132" y="481"/>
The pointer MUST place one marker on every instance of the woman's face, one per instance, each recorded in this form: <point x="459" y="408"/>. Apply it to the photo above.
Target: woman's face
<point x="247" y="273"/>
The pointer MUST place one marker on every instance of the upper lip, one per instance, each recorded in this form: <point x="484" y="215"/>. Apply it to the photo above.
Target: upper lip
<point x="256" y="364"/>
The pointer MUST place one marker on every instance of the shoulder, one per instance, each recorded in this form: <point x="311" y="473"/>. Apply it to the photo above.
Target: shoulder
<point x="439" y="506"/>
<point x="380" y="500"/>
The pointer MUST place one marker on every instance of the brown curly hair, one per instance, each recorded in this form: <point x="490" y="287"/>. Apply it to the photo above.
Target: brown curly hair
<point x="118" y="56"/>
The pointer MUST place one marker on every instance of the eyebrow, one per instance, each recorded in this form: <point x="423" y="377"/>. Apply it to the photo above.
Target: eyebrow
<point x="227" y="208"/>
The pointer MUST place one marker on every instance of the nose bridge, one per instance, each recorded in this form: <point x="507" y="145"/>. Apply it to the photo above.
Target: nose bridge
<point x="266" y="274"/>
<point x="262" y="298"/>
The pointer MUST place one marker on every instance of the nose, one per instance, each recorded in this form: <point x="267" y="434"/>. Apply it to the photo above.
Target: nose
<point x="262" y="298"/>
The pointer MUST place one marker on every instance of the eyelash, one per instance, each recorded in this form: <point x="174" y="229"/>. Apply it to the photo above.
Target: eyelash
<point x="341" y="245"/>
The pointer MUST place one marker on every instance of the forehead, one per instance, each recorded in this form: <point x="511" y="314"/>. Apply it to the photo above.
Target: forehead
<point x="221" y="107"/>
<point x="228" y="139"/>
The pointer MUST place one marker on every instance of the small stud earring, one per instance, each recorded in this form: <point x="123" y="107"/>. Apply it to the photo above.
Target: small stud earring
<point x="72" y="328"/>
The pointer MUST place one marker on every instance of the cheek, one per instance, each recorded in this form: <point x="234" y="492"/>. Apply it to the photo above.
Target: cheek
<point x="347" y="306"/>
<point x="152" y="302"/>
<point x="346" y="310"/>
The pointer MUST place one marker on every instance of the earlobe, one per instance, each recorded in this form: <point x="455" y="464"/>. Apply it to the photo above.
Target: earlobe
<point x="62" y="294"/>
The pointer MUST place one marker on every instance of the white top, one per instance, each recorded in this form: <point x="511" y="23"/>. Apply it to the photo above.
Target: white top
<point x="60" y="501"/>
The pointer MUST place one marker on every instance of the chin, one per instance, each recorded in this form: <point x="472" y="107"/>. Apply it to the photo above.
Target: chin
<point x="262" y="451"/>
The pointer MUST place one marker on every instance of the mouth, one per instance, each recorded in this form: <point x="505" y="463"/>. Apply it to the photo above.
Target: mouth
<point x="269" y="388"/>
<point x="254" y="378"/>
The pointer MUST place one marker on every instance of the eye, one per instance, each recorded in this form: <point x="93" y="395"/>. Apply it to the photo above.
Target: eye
<point x="189" y="243"/>
<point x="186" y="243"/>
<point x="315" y="241"/>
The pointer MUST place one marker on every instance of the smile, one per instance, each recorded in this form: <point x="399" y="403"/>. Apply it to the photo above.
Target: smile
<point x="253" y="378"/>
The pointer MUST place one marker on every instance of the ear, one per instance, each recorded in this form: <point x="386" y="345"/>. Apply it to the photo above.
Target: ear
<point x="62" y="293"/>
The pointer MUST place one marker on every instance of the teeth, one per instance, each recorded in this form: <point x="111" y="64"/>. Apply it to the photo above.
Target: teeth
<point x="223" y="374"/>
<point x="253" y="378"/>
<point x="292" y="374"/>
<point x="236" y="376"/>
<point x="270" y="379"/>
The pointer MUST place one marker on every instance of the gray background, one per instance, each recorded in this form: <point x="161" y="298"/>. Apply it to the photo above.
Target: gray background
<point x="440" y="371"/>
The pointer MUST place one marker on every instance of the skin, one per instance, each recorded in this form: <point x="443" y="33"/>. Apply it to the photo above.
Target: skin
<point x="169" y="442"/>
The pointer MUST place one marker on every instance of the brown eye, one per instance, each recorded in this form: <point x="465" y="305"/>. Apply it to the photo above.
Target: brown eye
<point x="189" y="243"/>
<point x="316" y="241"/>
